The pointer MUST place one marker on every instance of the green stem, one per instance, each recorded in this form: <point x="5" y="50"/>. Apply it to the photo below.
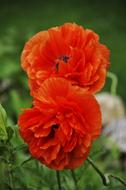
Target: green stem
<point x="58" y="180"/>
<point x="105" y="177"/>
<point x="2" y="174"/>
<point x="74" y="178"/>
<point x="117" y="178"/>
<point x="22" y="163"/>
<point x="10" y="164"/>
<point x="114" y="84"/>
<point x="3" y="159"/>
<point x="20" y="147"/>
<point x="25" y="161"/>
<point x="10" y="177"/>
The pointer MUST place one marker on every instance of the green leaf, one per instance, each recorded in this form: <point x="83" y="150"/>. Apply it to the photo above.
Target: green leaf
<point x="10" y="132"/>
<point x="3" y="124"/>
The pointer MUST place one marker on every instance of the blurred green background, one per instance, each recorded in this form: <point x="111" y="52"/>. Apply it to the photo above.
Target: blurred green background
<point x="19" y="20"/>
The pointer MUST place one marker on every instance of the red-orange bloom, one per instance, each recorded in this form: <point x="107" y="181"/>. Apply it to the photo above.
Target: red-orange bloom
<point x="62" y="125"/>
<point x="68" y="51"/>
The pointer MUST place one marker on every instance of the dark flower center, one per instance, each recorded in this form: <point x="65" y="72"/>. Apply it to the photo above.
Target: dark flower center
<point x="64" y="58"/>
<point x="52" y="133"/>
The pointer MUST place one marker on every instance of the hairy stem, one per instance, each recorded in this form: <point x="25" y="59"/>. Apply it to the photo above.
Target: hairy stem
<point x="105" y="177"/>
<point x="74" y="178"/>
<point x="11" y="183"/>
<point x="114" y="84"/>
<point x="58" y="180"/>
<point x="25" y="161"/>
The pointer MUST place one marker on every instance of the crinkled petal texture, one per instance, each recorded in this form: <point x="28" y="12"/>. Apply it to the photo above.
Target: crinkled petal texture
<point x="62" y="125"/>
<point x="68" y="51"/>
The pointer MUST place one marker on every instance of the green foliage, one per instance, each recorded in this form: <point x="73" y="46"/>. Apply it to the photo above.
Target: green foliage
<point x="24" y="172"/>
<point x="3" y="124"/>
<point x="19" y="21"/>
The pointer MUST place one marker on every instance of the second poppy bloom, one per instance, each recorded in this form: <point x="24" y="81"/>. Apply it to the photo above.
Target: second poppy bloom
<point x="62" y="125"/>
<point x="67" y="51"/>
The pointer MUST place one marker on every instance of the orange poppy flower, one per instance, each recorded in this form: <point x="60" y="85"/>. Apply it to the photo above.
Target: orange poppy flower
<point x="67" y="51"/>
<point x="62" y="125"/>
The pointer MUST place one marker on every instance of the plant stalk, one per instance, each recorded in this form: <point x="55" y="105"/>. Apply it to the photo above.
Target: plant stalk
<point x="58" y="180"/>
<point x="74" y="178"/>
<point x="114" y="84"/>
<point x="105" y="177"/>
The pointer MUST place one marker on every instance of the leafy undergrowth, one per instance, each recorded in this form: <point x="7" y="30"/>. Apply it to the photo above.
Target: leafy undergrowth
<point x="20" y="171"/>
